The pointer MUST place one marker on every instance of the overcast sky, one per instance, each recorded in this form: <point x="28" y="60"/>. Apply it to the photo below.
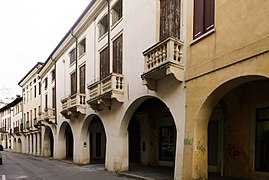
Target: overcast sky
<point x="29" y="31"/>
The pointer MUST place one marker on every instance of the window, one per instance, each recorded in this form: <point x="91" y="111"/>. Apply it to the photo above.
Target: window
<point x="117" y="55"/>
<point x="167" y="143"/>
<point x="35" y="91"/>
<point x="53" y="98"/>
<point x="262" y="140"/>
<point x="103" y="26"/>
<point x="82" y="47"/>
<point x="39" y="90"/>
<point x="203" y="17"/>
<point x="73" y="55"/>
<point x="117" y="12"/>
<point x="46" y="102"/>
<point x="82" y="79"/>
<point x="104" y="63"/>
<point x="46" y="83"/>
<point x="169" y="19"/>
<point x="73" y="83"/>
<point x="53" y="75"/>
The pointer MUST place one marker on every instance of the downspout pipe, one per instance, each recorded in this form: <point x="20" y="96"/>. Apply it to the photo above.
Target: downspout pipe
<point x="55" y="87"/>
<point x="76" y="59"/>
<point x="108" y="34"/>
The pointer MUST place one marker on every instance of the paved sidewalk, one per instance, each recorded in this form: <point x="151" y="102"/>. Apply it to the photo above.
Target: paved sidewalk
<point x="139" y="171"/>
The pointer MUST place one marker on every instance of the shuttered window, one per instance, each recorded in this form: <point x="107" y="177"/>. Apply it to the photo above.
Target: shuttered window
<point x="203" y="17"/>
<point x="73" y="83"/>
<point x="82" y="79"/>
<point x="53" y="98"/>
<point x="117" y="55"/>
<point x="73" y="55"/>
<point x="169" y="19"/>
<point x="104" y="63"/>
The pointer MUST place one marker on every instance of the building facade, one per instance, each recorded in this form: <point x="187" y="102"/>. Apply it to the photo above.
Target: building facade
<point x="31" y="93"/>
<point x="227" y="112"/>
<point x="112" y="91"/>
<point x="10" y="118"/>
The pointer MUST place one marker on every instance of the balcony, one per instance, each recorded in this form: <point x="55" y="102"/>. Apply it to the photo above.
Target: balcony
<point x="3" y="130"/>
<point x="21" y="127"/>
<point x="162" y="60"/>
<point x="16" y="130"/>
<point x="104" y="91"/>
<point x="27" y="125"/>
<point x="74" y="105"/>
<point x="49" y="115"/>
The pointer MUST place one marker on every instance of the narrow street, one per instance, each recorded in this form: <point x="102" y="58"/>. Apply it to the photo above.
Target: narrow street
<point x="22" y="166"/>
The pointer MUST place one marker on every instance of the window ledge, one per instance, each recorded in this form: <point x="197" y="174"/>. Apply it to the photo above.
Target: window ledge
<point x="102" y="36"/>
<point x="203" y="36"/>
<point x="80" y="56"/>
<point x="116" y="23"/>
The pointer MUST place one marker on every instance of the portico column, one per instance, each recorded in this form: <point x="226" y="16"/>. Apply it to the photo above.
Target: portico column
<point x="34" y="144"/>
<point x="38" y="144"/>
<point x="27" y="144"/>
<point x="31" y="143"/>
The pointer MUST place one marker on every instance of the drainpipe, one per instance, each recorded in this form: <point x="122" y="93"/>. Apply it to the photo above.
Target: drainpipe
<point x="76" y="50"/>
<point x="108" y="33"/>
<point x="55" y="87"/>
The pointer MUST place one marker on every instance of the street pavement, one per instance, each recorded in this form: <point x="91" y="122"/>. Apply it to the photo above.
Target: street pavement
<point x="24" y="167"/>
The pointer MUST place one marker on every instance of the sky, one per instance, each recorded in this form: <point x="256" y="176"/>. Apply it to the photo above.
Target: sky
<point x="29" y="31"/>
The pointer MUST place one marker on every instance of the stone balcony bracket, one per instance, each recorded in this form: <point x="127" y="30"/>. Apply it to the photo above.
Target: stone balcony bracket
<point x="74" y="105"/>
<point x="103" y="92"/>
<point x="49" y="115"/>
<point x="162" y="60"/>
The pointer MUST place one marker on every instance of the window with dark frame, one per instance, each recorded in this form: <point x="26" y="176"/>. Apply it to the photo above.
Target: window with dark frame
<point x="45" y="83"/>
<point x="46" y="102"/>
<point x="204" y="12"/>
<point x="39" y="88"/>
<point x="73" y="83"/>
<point x="103" y="26"/>
<point x="82" y="47"/>
<point x="117" y="55"/>
<point x="167" y="143"/>
<point x="117" y="12"/>
<point x="104" y="63"/>
<point x="53" y="97"/>
<point x="53" y="75"/>
<point x="262" y="140"/>
<point x="73" y="56"/>
<point x="169" y="19"/>
<point x="82" y="79"/>
<point x="35" y="91"/>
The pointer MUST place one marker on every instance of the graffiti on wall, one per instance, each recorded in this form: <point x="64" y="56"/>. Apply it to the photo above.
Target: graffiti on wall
<point x="201" y="151"/>
<point x="233" y="152"/>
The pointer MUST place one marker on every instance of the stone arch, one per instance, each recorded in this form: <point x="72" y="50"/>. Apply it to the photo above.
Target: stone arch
<point x="48" y="142"/>
<point x="92" y="123"/>
<point x="148" y="126"/>
<point x="15" y="145"/>
<point x="63" y="152"/>
<point x="200" y="156"/>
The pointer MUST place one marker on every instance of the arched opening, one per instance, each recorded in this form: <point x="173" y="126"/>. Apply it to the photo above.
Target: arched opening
<point x="19" y="150"/>
<point x="69" y="142"/>
<point x="48" y="142"/>
<point x="152" y="138"/>
<point x="231" y="136"/>
<point x="97" y="141"/>
<point x="15" y="145"/>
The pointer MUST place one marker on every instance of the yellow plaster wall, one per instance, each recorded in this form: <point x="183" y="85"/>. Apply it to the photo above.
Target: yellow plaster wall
<point x="241" y="31"/>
